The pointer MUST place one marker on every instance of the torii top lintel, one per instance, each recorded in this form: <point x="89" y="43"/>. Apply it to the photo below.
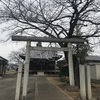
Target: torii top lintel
<point x="46" y="39"/>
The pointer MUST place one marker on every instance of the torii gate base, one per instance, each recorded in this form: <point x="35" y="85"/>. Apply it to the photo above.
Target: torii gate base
<point x="27" y="61"/>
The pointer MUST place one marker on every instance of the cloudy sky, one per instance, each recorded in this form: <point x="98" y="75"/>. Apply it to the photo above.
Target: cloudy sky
<point x="7" y="47"/>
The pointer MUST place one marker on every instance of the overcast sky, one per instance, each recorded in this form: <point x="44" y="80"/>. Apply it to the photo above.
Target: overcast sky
<point x="7" y="47"/>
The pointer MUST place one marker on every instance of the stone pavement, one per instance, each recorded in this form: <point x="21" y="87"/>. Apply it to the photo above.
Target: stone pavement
<point x="41" y="88"/>
<point x="8" y="85"/>
<point x="47" y="91"/>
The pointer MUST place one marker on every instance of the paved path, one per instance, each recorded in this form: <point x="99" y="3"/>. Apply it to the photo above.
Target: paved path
<point x="7" y="89"/>
<point x="8" y="85"/>
<point x="42" y="90"/>
<point x="47" y="91"/>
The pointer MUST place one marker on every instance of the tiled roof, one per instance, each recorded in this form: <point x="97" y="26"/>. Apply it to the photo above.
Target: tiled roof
<point x="3" y="59"/>
<point x="42" y="54"/>
<point x="92" y="58"/>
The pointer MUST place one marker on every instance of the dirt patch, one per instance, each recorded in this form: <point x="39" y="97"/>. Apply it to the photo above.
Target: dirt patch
<point x="74" y="92"/>
<point x="71" y="92"/>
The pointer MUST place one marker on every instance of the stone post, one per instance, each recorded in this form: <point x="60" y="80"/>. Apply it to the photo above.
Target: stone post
<point x="82" y="82"/>
<point x="18" y="84"/>
<point x="85" y="82"/>
<point x="88" y="83"/>
<point x="98" y="71"/>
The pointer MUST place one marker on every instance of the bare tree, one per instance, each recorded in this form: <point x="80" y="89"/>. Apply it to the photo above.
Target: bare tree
<point x="14" y="56"/>
<point x="54" y="18"/>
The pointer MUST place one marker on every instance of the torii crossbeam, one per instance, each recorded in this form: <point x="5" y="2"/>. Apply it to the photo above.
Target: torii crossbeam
<point x="46" y="39"/>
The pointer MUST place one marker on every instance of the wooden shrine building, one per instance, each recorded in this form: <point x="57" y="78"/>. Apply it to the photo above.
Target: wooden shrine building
<point x="42" y="61"/>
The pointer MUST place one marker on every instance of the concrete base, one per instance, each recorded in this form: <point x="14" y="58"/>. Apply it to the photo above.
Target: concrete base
<point x="40" y="73"/>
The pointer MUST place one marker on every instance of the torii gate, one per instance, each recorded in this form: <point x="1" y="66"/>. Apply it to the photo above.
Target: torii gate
<point x="29" y="39"/>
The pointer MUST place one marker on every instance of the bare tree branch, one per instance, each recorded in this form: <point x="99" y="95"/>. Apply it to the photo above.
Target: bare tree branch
<point x="53" y="18"/>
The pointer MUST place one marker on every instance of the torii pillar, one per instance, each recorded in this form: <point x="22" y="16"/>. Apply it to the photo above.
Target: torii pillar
<point x="71" y="68"/>
<point x="26" y="70"/>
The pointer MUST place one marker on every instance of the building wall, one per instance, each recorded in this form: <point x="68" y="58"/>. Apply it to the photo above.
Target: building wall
<point x="95" y="71"/>
<point x="1" y="68"/>
<point x="42" y="65"/>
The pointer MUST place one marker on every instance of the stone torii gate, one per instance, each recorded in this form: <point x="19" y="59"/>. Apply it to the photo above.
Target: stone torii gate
<point x="29" y="39"/>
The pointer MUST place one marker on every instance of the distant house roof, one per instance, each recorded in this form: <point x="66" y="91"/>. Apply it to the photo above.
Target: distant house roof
<point x="93" y="59"/>
<point x="3" y="59"/>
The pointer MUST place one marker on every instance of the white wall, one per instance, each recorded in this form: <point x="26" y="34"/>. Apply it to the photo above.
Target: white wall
<point x="95" y="71"/>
